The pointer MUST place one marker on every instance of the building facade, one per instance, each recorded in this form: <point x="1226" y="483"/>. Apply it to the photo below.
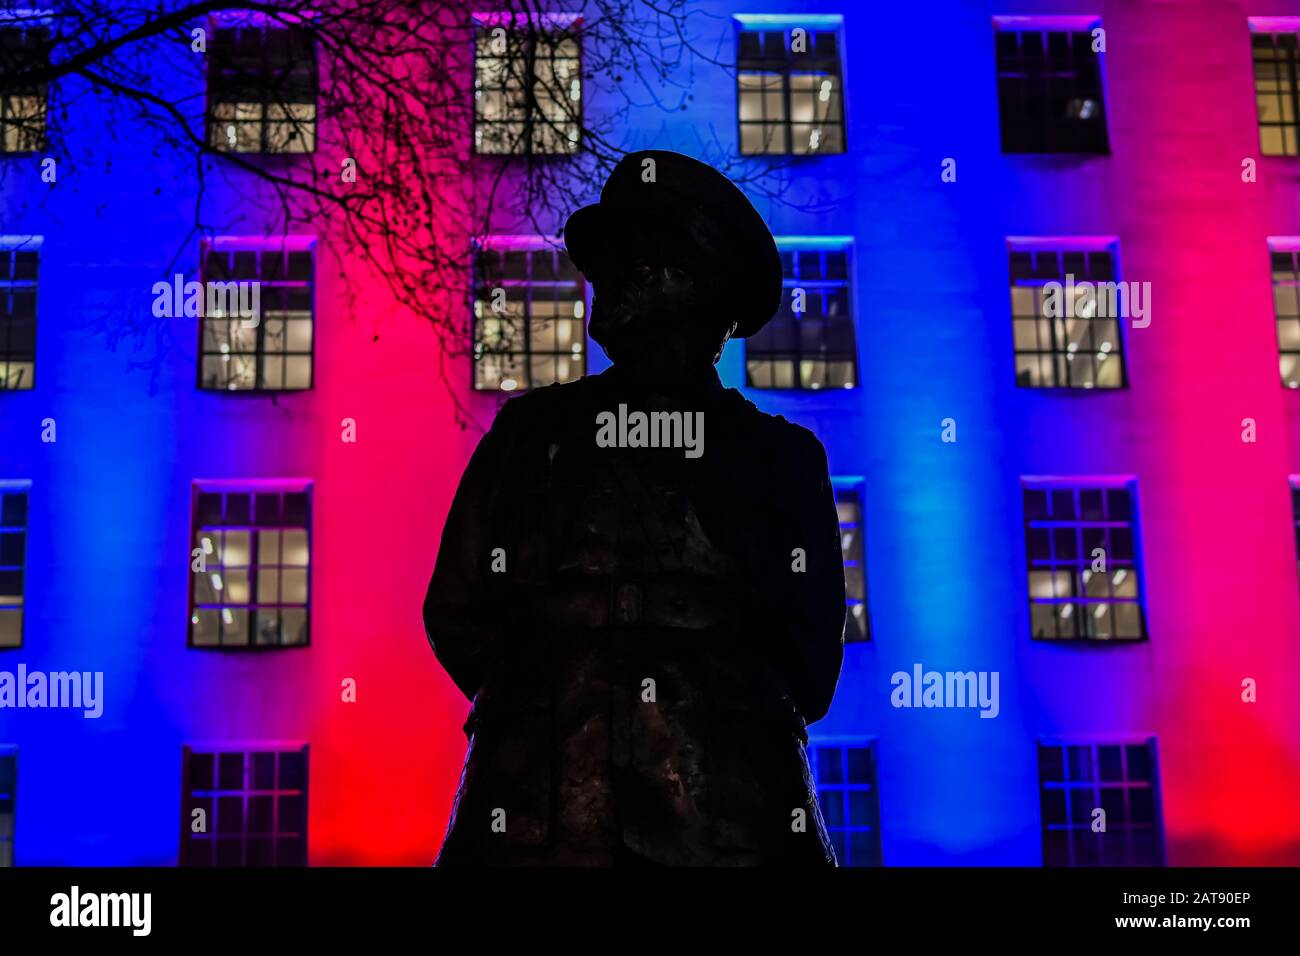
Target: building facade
<point x="1085" y="514"/>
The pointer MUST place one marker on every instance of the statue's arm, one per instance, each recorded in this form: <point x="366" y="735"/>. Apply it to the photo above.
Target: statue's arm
<point x="463" y="622"/>
<point x="812" y="608"/>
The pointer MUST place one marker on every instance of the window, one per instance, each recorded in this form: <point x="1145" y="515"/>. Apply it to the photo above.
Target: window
<point x="527" y="85"/>
<point x="23" y="48"/>
<point x="13" y="559"/>
<point x="18" y="263"/>
<point x="845" y="774"/>
<point x="274" y="351"/>
<point x="8" y="802"/>
<point x="1076" y="780"/>
<point x="789" y="90"/>
<point x="1083" y="564"/>
<point x="529" y="307"/>
<point x="1065" y="310"/>
<point x="848" y="502"/>
<point x="253" y="805"/>
<point x="1295" y="509"/>
<point x="262" y="85"/>
<point x="810" y="343"/>
<point x="1049" y="86"/>
<point x="1285" y="258"/>
<point x="250" y="582"/>
<point x="1277" y="83"/>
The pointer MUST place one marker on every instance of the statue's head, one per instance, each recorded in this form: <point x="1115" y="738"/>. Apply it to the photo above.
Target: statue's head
<point x="678" y="259"/>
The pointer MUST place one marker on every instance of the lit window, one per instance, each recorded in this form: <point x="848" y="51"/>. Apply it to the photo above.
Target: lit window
<point x="1080" y="540"/>
<point x="250" y="580"/>
<point x="244" y="807"/>
<point x="1276" y="58"/>
<point x="19" y="258"/>
<point x="1049" y="86"/>
<point x="811" y="342"/>
<point x="848" y="502"/>
<point x="1065" y="312"/>
<point x="262" y="85"/>
<point x="527" y="86"/>
<point x="272" y="351"/>
<point x="13" y="560"/>
<point x="23" y="108"/>
<point x="8" y="802"/>
<point x="529" y="311"/>
<point x="845" y="774"/>
<point x="1083" y="784"/>
<point x="1285" y="258"/>
<point x="789" y="91"/>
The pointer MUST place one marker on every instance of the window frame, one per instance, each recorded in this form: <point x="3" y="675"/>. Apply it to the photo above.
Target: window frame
<point x="535" y="23"/>
<point x="794" y="246"/>
<point x="817" y="743"/>
<point x="1077" y="485"/>
<point x="1293" y="486"/>
<point x="9" y="755"/>
<point x="1095" y="743"/>
<point x="252" y="488"/>
<point x="1045" y="25"/>
<point x="242" y="20"/>
<point x="248" y="749"/>
<point x="529" y="245"/>
<point x="11" y="246"/>
<point x="856" y="487"/>
<point x="772" y="23"/>
<point x="22" y="486"/>
<point x="1274" y="27"/>
<point x="28" y="21"/>
<point x="1285" y="246"/>
<point x="259" y="245"/>
<point x="1060" y="247"/>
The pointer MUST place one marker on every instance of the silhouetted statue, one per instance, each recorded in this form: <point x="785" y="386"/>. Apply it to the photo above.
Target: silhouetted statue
<point x="640" y="583"/>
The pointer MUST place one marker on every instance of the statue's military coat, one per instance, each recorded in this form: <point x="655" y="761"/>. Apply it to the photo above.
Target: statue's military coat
<point x="644" y="635"/>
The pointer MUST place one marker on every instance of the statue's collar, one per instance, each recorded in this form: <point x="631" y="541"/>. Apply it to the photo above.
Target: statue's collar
<point x="699" y="380"/>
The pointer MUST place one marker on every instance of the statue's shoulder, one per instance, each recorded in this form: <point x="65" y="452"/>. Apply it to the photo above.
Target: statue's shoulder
<point x="776" y="429"/>
<point x="547" y="403"/>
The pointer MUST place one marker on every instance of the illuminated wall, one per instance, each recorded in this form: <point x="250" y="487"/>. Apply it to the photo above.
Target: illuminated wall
<point x="108" y="546"/>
